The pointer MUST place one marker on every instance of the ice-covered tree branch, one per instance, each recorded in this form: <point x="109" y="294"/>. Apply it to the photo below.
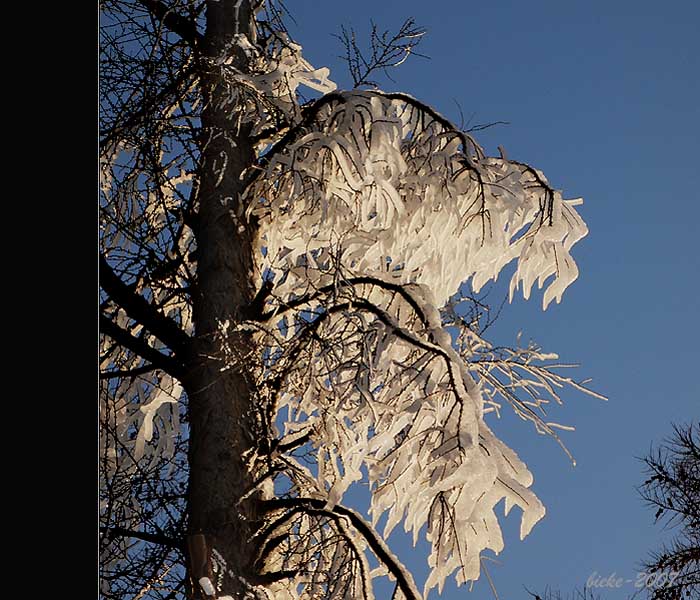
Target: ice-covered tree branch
<point x="378" y="546"/>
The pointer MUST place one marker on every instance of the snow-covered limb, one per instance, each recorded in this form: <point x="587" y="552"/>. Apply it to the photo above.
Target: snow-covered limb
<point x="372" y="211"/>
<point x="368" y="376"/>
<point x="304" y="507"/>
<point x="396" y="190"/>
<point x="266" y="95"/>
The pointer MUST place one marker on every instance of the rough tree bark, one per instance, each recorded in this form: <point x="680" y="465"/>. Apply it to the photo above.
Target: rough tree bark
<point x="221" y="420"/>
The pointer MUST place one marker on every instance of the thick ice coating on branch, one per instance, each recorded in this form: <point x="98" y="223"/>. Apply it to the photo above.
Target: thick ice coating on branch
<point x="373" y="210"/>
<point x="390" y="185"/>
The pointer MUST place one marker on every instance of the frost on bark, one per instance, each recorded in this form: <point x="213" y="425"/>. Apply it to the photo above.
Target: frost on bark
<point x="284" y="314"/>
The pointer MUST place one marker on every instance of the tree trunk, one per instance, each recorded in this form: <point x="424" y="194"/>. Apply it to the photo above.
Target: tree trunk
<point x="221" y="411"/>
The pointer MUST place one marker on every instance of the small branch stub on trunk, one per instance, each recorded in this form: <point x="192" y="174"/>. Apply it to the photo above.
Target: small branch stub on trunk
<point x="200" y="567"/>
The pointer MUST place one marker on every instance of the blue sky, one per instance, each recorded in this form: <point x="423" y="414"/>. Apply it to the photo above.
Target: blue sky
<point x="604" y="98"/>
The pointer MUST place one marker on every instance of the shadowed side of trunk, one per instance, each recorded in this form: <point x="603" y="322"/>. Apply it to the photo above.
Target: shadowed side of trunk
<point x="221" y="400"/>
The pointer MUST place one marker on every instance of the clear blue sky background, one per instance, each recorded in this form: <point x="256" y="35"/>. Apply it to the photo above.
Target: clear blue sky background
<point x="604" y="98"/>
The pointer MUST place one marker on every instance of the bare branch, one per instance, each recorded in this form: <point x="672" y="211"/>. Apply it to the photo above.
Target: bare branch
<point x="139" y="309"/>
<point x="182" y="26"/>
<point x="386" y="50"/>
<point x="153" y="538"/>
<point x="128" y="372"/>
<point x="138" y="346"/>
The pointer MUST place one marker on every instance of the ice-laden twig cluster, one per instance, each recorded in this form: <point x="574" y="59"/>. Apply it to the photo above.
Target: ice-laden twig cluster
<point x="388" y="183"/>
<point x="372" y="211"/>
<point x="266" y="96"/>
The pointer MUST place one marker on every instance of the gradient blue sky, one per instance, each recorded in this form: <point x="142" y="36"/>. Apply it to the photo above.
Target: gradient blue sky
<point x="604" y="98"/>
